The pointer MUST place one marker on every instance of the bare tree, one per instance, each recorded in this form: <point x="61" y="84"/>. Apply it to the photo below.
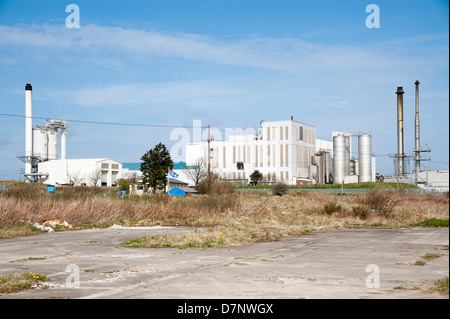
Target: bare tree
<point x="94" y="177"/>
<point x="74" y="178"/>
<point x="197" y="172"/>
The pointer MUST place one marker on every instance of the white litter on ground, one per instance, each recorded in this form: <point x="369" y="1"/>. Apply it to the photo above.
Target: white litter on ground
<point x="43" y="228"/>
<point x="139" y="227"/>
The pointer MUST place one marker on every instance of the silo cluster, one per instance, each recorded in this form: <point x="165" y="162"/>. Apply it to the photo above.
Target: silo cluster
<point x="41" y="143"/>
<point x="342" y="162"/>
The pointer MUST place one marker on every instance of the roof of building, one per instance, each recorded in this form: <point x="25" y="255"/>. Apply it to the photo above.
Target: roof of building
<point x="131" y="166"/>
<point x="74" y="160"/>
<point x="137" y="166"/>
<point x="177" y="181"/>
<point x="187" y="189"/>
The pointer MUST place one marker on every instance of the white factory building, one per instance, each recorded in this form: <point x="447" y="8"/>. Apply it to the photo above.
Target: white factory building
<point x="80" y="172"/>
<point x="283" y="151"/>
<point x="44" y="164"/>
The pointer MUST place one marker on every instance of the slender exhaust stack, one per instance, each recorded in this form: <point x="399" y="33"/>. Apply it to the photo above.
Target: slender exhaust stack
<point x="28" y="130"/>
<point x="417" y="133"/>
<point x="400" y="143"/>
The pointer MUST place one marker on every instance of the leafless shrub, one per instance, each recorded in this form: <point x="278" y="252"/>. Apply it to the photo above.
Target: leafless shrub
<point x="381" y="202"/>
<point x="331" y="207"/>
<point x="361" y="212"/>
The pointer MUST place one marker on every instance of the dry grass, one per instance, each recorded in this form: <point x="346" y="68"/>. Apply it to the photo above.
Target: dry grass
<point x="232" y="219"/>
<point x="17" y="282"/>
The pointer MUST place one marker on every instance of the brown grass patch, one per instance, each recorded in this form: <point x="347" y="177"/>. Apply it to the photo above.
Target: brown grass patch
<point x="243" y="217"/>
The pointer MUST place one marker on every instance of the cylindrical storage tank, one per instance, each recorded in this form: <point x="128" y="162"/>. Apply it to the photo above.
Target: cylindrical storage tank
<point x="365" y="158"/>
<point x="347" y="155"/>
<point x="63" y="145"/>
<point x="40" y="143"/>
<point x="52" y="145"/>
<point x="339" y="159"/>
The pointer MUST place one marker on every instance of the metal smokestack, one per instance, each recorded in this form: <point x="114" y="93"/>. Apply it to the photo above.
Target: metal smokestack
<point x="417" y="133"/>
<point x="400" y="143"/>
<point x="28" y="130"/>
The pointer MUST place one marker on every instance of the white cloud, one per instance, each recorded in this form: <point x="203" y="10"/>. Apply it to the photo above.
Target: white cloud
<point x="116" y="43"/>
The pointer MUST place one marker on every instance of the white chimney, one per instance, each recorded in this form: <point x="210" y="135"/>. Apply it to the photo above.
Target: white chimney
<point x="28" y="129"/>
<point x="63" y="144"/>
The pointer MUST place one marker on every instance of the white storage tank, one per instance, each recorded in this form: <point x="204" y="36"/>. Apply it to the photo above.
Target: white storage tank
<point x="339" y="158"/>
<point x="52" y="145"/>
<point x="40" y="143"/>
<point x="365" y="158"/>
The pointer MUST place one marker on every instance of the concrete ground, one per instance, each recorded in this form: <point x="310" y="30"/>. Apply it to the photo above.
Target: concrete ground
<point x="343" y="263"/>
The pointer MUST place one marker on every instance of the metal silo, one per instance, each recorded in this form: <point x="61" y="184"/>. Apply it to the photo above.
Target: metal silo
<point x="339" y="164"/>
<point x="52" y="145"/>
<point x="347" y="155"/>
<point x="365" y="158"/>
<point x="40" y="143"/>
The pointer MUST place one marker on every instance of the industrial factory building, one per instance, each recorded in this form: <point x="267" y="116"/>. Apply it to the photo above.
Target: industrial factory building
<point x="42" y="163"/>
<point x="80" y="172"/>
<point x="287" y="152"/>
<point x="282" y="151"/>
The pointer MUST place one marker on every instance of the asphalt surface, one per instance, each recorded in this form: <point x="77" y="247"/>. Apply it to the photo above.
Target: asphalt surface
<point x="343" y="263"/>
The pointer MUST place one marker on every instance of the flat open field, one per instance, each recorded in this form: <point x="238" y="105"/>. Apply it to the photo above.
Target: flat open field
<point x="274" y="246"/>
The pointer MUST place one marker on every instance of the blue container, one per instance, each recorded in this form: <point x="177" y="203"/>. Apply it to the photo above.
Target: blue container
<point x="50" y="188"/>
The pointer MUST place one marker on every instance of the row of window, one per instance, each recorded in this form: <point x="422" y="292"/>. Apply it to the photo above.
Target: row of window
<point x="284" y="176"/>
<point x="301" y="134"/>
<point x="113" y="166"/>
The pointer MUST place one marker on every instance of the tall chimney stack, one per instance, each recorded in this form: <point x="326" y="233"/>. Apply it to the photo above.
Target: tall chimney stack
<point x="28" y="130"/>
<point x="417" y="133"/>
<point x="400" y="143"/>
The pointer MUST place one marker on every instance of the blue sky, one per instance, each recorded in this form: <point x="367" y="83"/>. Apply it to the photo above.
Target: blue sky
<point x="227" y="63"/>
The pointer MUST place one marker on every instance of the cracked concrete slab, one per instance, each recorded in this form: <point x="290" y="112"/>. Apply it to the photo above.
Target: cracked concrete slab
<point x="325" y="264"/>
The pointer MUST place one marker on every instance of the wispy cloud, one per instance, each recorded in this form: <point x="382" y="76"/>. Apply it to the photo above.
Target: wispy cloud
<point x="121" y="46"/>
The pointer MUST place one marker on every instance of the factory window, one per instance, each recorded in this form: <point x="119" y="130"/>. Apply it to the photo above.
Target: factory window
<point x="300" y="135"/>
<point x="115" y="166"/>
<point x="234" y="154"/>
<point x="286" y="135"/>
<point x="281" y="132"/>
<point x="105" y="165"/>
<point x="240" y="165"/>
<point x="268" y="133"/>
<point x="224" y="158"/>
<point x="281" y="155"/>
<point x="286" y="157"/>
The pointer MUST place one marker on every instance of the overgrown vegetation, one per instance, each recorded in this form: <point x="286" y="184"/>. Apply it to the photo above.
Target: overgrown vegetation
<point x="331" y="207"/>
<point x="240" y="217"/>
<point x="381" y="202"/>
<point x="441" y="286"/>
<point x="279" y="189"/>
<point x="18" y="282"/>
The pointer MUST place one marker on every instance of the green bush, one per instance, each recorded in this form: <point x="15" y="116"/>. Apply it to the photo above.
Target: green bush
<point x="361" y="212"/>
<point x="279" y="189"/>
<point x="331" y="207"/>
<point x="381" y="202"/>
